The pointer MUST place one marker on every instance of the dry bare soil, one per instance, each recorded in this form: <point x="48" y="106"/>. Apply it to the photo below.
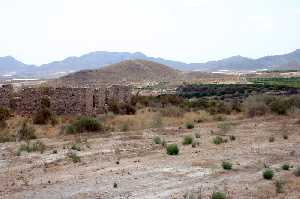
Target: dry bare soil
<point x="130" y="165"/>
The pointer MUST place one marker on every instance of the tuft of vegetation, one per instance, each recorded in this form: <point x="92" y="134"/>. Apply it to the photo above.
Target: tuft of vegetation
<point x="226" y="165"/>
<point x="172" y="149"/>
<point x="232" y="137"/>
<point x="124" y="127"/>
<point x="197" y="135"/>
<point x="297" y="171"/>
<point x="224" y="127"/>
<point x="4" y="114"/>
<point x="74" y="157"/>
<point x="31" y="147"/>
<point x="279" y="186"/>
<point x="164" y="143"/>
<point x="268" y="174"/>
<point x="189" y="125"/>
<point x="187" y="140"/>
<point x="157" y="140"/>
<point x="218" y="140"/>
<point x="172" y="111"/>
<point x="26" y="132"/>
<point x="218" y="195"/>
<point x="76" y="147"/>
<point x="44" y="115"/>
<point x="271" y="139"/>
<point x="285" y="136"/>
<point x="157" y="121"/>
<point x="285" y="167"/>
<point x="84" y="124"/>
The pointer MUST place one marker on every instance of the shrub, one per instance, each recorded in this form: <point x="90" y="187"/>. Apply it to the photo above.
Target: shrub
<point x="297" y="172"/>
<point x="271" y="139"/>
<point x="44" y="116"/>
<point x="164" y="143"/>
<point x="124" y="127"/>
<point x="279" y="186"/>
<point x="70" y="129"/>
<point x="285" y="167"/>
<point x="197" y="135"/>
<point x="232" y="137"/>
<point x="268" y="174"/>
<point x="75" y="158"/>
<point x="76" y="147"/>
<point x="218" y="140"/>
<point x="31" y="147"/>
<point x="172" y="149"/>
<point x="85" y="124"/>
<point x="5" y="136"/>
<point x="187" y="140"/>
<point x="255" y="106"/>
<point x="26" y="132"/>
<point x="224" y="127"/>
<point x="218" y="195"/>
<point x="279" y="106"/>
<point x="157" y="140"/>
<point x="172" y="111"/>
<point x="4" y="114"/>
<point x="226" y="165"/>
<point x="157" y="121"/>
<point x="189" y="125"/>
<point x="285" y="136"/>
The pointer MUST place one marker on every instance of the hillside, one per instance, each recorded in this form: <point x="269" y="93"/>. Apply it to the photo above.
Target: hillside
<point x="130" y="71"/>
<point x="95" y="60"/>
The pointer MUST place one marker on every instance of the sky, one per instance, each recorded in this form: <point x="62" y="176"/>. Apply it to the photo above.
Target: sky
<point x="41" y="31"/>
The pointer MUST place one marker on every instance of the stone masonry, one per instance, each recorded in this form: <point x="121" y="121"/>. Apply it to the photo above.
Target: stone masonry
<point x="64" y="101"/>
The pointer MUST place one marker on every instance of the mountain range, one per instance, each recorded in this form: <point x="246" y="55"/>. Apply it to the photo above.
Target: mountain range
<point x="9" y="66"/>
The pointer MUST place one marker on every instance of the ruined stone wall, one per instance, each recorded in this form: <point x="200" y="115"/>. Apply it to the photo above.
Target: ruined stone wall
<point x="6" y="92"/>
<point x="64" y="101"/>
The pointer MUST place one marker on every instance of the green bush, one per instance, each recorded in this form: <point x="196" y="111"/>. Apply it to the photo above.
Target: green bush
<point x="84" y="124"/>
<point x="74" y="157"/>
<point x="187" y="140"/>
<point x="76" y="147"/>
<point x="218" y="140"/>
<point x="172" y="149"/>
<point x="218" y="195"/>
<point x="268" y="174"/>
<point x="297" y="172"/>
<point x="279" y="106"/>
<point x="26" y="132"/>
<point x="189" y="125"/>
<point x="285" y="167"/>
<point x="157" y="140"/>
<point x="31" y="147"/>
<point x="70" y="129"/>
<point x="226" y="165"/>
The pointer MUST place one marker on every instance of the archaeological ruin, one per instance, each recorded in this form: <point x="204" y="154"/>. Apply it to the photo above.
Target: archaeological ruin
<point x="64" y="101"/>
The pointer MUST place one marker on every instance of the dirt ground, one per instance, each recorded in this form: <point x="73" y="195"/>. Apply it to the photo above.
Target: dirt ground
<point x="130" y="165"/>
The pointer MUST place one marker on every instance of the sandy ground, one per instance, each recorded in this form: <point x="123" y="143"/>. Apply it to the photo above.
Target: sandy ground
<point x="141" y="169"/>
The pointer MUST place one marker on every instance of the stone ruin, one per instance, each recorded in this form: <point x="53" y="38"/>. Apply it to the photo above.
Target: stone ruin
<point x="64" y="101"/>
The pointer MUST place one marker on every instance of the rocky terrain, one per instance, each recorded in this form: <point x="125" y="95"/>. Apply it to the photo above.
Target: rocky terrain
<point x="130" y="165"/>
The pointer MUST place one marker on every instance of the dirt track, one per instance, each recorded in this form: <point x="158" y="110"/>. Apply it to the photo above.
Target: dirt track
<point x="142" y="169"/>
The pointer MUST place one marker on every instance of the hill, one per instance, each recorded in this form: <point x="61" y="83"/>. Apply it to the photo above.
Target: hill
<point x="95" y="60"/>
<point x="130" y="71"/>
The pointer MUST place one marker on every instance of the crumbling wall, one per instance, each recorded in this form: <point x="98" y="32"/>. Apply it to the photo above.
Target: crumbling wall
<point x="6" y="92"/>
<point x="64" y="101"/>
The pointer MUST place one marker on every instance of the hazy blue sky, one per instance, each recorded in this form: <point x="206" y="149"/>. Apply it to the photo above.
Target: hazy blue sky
<point x="39" y="31"/>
